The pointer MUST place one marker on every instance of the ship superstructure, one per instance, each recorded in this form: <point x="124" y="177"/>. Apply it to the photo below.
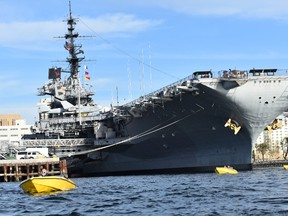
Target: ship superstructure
<point x="205" y="120"/>
<point x="69" y="99"/>
<point x="69" y="118"/>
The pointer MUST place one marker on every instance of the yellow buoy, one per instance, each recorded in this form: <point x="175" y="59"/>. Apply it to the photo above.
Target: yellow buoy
<point x="225" y="170"/>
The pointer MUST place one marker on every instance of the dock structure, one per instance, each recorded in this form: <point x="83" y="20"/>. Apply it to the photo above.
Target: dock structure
<point x="19" y="170"/>
<point x="269" y="163"/>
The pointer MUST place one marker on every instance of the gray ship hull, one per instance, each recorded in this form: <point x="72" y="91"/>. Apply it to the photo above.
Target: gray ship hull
<point x="186" y="134"/>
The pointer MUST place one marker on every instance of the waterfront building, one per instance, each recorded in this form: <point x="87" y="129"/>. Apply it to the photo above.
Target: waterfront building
<point x="12" y="128"/>
<point x="274" y="139"/>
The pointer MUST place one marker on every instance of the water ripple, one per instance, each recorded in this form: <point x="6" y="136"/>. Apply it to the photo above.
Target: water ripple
<point x="259" y="192"/>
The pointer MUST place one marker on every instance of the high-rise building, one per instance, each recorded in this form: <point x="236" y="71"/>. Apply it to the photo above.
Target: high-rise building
<point x="274" y="138"/>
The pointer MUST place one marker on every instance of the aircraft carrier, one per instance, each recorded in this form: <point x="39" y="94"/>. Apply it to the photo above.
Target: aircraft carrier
<point x="205" y="120"/>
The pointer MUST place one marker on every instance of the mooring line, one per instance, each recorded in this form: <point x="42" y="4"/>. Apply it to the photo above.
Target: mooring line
<point x="145" y="133"/>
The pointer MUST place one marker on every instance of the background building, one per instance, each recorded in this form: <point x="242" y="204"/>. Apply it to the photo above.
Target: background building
<point x="9" y="119"/>
<point x="12" y="128"/>
<point x="273" y="139"/>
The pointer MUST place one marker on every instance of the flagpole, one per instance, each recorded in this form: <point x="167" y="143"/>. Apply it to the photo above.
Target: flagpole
<point x="83" y="78"/>
<point x="79" y="100"/>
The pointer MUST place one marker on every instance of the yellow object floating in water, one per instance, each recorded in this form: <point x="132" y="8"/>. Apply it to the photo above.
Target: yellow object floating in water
<point x="46" y="184"/>
<point x="285" y="167"/>
<point x="225" y="170"/>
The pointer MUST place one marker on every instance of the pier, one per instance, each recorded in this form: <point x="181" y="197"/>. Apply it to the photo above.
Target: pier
<point x="269" y="163"/>
<point x="19" y="170"/>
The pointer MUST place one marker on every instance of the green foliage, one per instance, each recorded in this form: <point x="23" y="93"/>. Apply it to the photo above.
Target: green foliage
<point x="284" y="145"/>
<point x="262" y="148"/>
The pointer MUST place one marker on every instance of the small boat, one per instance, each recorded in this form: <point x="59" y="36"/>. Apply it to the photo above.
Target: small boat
<point x="285" y="167"/>
<point x="46" y="184"/>
<point x="225" y="170"/>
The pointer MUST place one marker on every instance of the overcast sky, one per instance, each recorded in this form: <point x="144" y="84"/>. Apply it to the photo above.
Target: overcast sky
<point x="175" y="37"/>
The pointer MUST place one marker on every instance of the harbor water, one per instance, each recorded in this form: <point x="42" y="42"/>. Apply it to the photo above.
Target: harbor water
<point x="263" y="191"/>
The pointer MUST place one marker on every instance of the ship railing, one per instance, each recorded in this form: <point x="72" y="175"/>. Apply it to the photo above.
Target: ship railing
<point x="61" y="120"/>
<point x="237" y="74"/>
<point x="57" y="142"/>
<point x="233" y="74"/>
<point x="263" y="72"/>
<point x="266" y="72"/>
<point x="150" y="95"/>
<point x="242" y="74"/>
<point x="83" y="94"/>
<point x="229" y="74"/>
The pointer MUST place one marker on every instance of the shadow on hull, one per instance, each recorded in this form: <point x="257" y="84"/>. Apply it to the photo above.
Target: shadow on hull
<point x="78" y="172"/>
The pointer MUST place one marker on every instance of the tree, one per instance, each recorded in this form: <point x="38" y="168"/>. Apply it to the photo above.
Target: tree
<point x="284" y="145"/>
<point x="254" y="155"/>
<point x="262" y="148"/>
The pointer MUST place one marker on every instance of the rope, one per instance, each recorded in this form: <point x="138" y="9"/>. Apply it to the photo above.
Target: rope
<point x="127" y="54"/>
<point x="145" y="133"/>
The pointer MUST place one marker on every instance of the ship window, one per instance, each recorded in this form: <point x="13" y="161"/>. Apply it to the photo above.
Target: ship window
<point x="259" y="81"/>
<point x="266" y="102"/>
<point x="259" y="97"/>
